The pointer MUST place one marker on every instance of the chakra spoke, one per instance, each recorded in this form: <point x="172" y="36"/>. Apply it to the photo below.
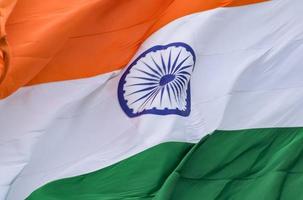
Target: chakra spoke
<point x="146" y="95"/>
<point x="154" y="94"/>
<point x="161" y="97"/>
<point x="175" y="91"/>
<point x="163" y="64"/>
<point x="146" y="79"/>
<point x="142" y="84"/>
<point x="182" y="77"/>
<point x="158" y="67"/>
<point x="142" y="90"/>
<point x="169" y="62"/>
<point x="180" y="80"/>
<point x="180" y="64"/>
<point x="153" y="70"/>
<point x="168" y="92"/>
<point x="175" y="62"/>
<point x="183" y="68"/>
<point x="183" y="72"/>
<point x="149" y="74"/>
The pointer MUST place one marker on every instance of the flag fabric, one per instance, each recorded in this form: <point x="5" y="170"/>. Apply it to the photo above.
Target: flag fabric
<point x="153" y="99"/>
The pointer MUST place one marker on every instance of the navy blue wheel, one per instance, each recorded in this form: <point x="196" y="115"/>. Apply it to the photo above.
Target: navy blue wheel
<point x="158" y="81"/>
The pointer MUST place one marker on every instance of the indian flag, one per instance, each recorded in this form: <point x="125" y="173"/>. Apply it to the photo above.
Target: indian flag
<point x="151" y="99"/>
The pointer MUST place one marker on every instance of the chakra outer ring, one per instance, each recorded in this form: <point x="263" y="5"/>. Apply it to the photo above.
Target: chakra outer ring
<point x="166" y="111"/>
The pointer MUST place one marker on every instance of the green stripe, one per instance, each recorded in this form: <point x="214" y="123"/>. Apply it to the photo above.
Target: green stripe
<point x="239" y="165"/>
<point x="138" y="177"/>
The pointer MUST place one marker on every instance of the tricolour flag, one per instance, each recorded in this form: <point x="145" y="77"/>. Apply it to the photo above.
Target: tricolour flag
<point x="153" y="99"/>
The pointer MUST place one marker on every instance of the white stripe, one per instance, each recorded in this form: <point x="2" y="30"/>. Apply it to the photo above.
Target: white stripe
<point x="248" y="74"/>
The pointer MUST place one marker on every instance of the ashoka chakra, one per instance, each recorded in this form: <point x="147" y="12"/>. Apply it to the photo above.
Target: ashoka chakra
<point x="158" y="81"/>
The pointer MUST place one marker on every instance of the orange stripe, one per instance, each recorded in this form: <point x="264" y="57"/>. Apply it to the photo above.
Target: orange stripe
<point x="70" y="39"/>
<point x="6" y="6"/>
